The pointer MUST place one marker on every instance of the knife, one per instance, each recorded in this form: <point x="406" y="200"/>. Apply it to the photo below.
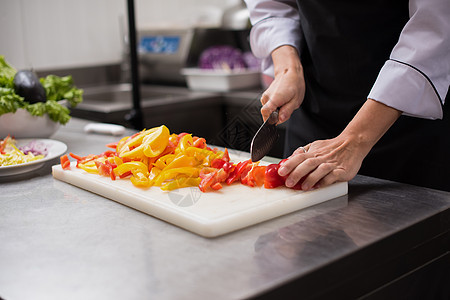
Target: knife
<point x="265" y="138"/>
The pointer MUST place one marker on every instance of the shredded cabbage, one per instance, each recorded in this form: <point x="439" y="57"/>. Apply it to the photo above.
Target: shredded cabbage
<point x="12" y="155"/>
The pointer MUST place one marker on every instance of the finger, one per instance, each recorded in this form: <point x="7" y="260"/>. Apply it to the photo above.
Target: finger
<point x="313" y="178"/>
<point x="264" y="98"/>
<point x="301" y="150"/>
<point x="286" y="111"/>
<point x="331" y="178"/>
<point x="290" y="164"/>
<point x="300" y="171"/>
<point x="265" y="113"/>
<point x="337" y="175"/>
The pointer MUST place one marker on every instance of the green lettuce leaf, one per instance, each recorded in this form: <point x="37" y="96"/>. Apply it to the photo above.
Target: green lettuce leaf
<point x="57" y="89"/>
<point x="5" y="69"/>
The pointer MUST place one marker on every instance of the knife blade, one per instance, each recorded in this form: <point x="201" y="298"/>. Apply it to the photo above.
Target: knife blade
<point x="265" y="138"/>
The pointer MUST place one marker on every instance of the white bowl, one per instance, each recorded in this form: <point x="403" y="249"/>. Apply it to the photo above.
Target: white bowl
<point x="22" y="124"/>
<point x="221" y="80"/>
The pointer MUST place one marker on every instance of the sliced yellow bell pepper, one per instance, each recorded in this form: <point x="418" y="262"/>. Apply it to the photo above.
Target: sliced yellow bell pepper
<point x="181" y="183"/>
<point x="173" y="173"/>
<point x="89" y="167"/>
<point x="182" y="160"/>
<point x="154" y="172"/>
<point x="164" y="161"/>
<point x="133" y="147"/>
<point x="155" y="142"/>
<point x="132" y="166"/>
<point x="204" y="156"/>
<point x="140" y="179"/>
<point x="185" y="142"/>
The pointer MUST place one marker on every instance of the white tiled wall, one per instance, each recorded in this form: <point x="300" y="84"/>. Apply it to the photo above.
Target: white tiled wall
<point x="53" y="34"/>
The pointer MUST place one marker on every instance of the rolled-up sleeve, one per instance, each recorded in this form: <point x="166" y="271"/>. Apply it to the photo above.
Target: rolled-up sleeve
<point x="416" y="78"/>
<point x="274" y="23"/>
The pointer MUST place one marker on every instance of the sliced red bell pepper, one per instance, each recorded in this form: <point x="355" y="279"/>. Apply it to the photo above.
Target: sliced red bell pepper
<point x="213" y="179"/>
<point x="217" y="163"/>
<point x="112" y="145"/>
<point x="273" y="179"/>
<point x="237" y="172"/>
<point x="65" y="162"/>
<point x="199" y="143"/>
<point x="228" y="167"/>
<point x="3" y="143"/>
<point x="253" y="175"/>
<point x="108" y="153"/>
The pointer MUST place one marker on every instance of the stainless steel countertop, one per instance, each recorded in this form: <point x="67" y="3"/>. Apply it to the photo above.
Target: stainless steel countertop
<point x="61" y="242"/>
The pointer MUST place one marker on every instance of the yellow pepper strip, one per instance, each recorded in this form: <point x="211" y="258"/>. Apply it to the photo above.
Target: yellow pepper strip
<point x="182" y="161"/>
<point x="117" y="160"/>
<point x="173" y="138"/>
<point x="121" y="144"/>
<point x="173" y="173"/>
<point x="154" y="172"/>
<point x="133" y="166"/>
<point x="89" y="167"/>
<point x="135" y="144"/>
<point x="204" y="156"/>
<point x="156" y="142"/>
<point x="181" y="183"/>
<point x="185" y="142"/>
<point x="140" y="179"/>
<point x="164" y="161"/>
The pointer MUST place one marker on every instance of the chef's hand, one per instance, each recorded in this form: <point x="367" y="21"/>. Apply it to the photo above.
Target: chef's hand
<point x="287" y="90"/>
<point x="324" y="162"/>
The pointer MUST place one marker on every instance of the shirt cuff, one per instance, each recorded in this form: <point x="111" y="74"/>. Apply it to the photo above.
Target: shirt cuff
<point x="406" y="89"/>
<point x="271" y="33"/>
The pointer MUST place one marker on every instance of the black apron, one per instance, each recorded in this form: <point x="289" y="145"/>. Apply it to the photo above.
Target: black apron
<point x="345" y="44"/>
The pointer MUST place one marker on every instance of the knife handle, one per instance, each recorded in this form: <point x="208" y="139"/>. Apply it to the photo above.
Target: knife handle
<point x="273" y="118"/>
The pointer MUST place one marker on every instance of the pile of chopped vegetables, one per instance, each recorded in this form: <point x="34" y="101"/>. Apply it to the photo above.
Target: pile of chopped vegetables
<point x="155" y="157"/>
<point x="11" y="155"/>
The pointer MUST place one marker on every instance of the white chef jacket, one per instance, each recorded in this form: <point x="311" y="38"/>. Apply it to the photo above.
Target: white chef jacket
<point x="416" y="78"/>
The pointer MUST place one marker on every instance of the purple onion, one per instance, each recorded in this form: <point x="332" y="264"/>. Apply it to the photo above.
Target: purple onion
<point x="35" y="147"/>
<point x="251" y="61"/>
<point x="222" y="58"/>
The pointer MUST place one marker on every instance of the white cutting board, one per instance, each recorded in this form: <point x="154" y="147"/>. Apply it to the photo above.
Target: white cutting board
<point x="207" y="214"/>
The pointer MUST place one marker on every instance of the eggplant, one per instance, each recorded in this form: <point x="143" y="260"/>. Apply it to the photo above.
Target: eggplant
<point x="28" y="86"/>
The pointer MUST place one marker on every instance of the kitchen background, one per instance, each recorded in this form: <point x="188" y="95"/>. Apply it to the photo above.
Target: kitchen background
<point x="88" y="40"/>
<point x="56" y="34"/>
